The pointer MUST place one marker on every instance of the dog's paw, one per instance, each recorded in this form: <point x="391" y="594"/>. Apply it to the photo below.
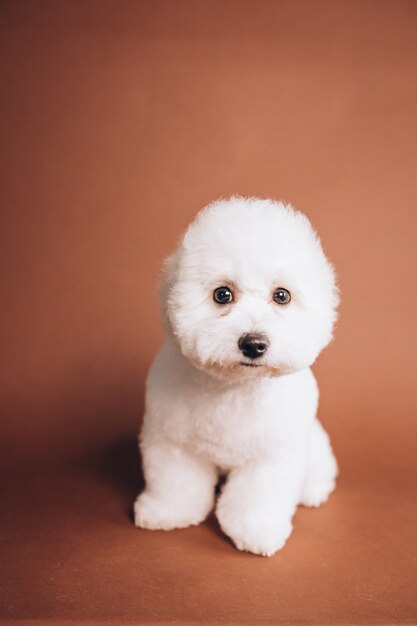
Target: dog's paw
<point x="254" y="532"/>
<point x="315" y="493"/>
<point x="154" y="514"/>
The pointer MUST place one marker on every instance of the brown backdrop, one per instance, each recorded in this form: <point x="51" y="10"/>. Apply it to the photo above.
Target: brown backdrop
<point x="119" y="121"/>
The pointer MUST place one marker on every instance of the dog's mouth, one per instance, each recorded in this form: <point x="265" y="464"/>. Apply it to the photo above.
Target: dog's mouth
<point x="250" y="364"/>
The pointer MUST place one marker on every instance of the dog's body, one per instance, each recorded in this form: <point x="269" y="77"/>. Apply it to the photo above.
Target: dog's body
<point x="231" y="392"/>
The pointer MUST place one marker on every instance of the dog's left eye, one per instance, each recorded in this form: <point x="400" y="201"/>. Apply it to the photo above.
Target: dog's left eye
<point x="282" y="296"/>
<point x="222" y="295"/>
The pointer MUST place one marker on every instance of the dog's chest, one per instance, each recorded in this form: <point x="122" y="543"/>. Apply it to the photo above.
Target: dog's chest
<point x="229" y="427"/>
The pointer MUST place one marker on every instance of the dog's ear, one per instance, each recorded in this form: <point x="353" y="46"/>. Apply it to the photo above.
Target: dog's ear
<point x="166" y="283"/>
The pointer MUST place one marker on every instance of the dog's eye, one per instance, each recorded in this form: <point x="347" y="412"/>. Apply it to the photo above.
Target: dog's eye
<point x="222" y="295"/>
<point x="282" y="296"/>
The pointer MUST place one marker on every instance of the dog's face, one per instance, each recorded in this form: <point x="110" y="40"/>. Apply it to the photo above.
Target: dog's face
<point x="249" y="291"/>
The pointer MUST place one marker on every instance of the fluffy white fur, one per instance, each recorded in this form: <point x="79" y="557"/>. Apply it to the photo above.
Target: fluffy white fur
<point x="207" y="412"/>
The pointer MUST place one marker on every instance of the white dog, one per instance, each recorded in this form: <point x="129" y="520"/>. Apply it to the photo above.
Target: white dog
<point x="249" y="301"/>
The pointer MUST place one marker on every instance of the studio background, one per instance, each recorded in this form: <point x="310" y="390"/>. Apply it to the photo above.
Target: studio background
<point x="120" y="120"/>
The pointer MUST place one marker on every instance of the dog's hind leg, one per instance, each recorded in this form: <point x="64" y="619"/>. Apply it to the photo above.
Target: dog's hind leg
<point x="321" y="468"/>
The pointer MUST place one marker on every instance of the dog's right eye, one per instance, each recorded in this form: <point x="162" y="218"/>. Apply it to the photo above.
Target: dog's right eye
<point x="222" y="295"/>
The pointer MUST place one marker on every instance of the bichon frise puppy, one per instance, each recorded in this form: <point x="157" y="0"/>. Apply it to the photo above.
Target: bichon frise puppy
<point x="249" y="301"/>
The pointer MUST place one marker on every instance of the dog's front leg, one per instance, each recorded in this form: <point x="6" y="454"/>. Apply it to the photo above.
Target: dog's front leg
<point x="259" y="500"/>
<point x="179" y="488"/>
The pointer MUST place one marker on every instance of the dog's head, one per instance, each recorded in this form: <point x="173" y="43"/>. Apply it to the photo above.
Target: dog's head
<point x="249" y="291"/>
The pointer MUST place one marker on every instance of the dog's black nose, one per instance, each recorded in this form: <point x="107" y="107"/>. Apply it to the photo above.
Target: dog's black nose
<point x="253" y="345"/>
